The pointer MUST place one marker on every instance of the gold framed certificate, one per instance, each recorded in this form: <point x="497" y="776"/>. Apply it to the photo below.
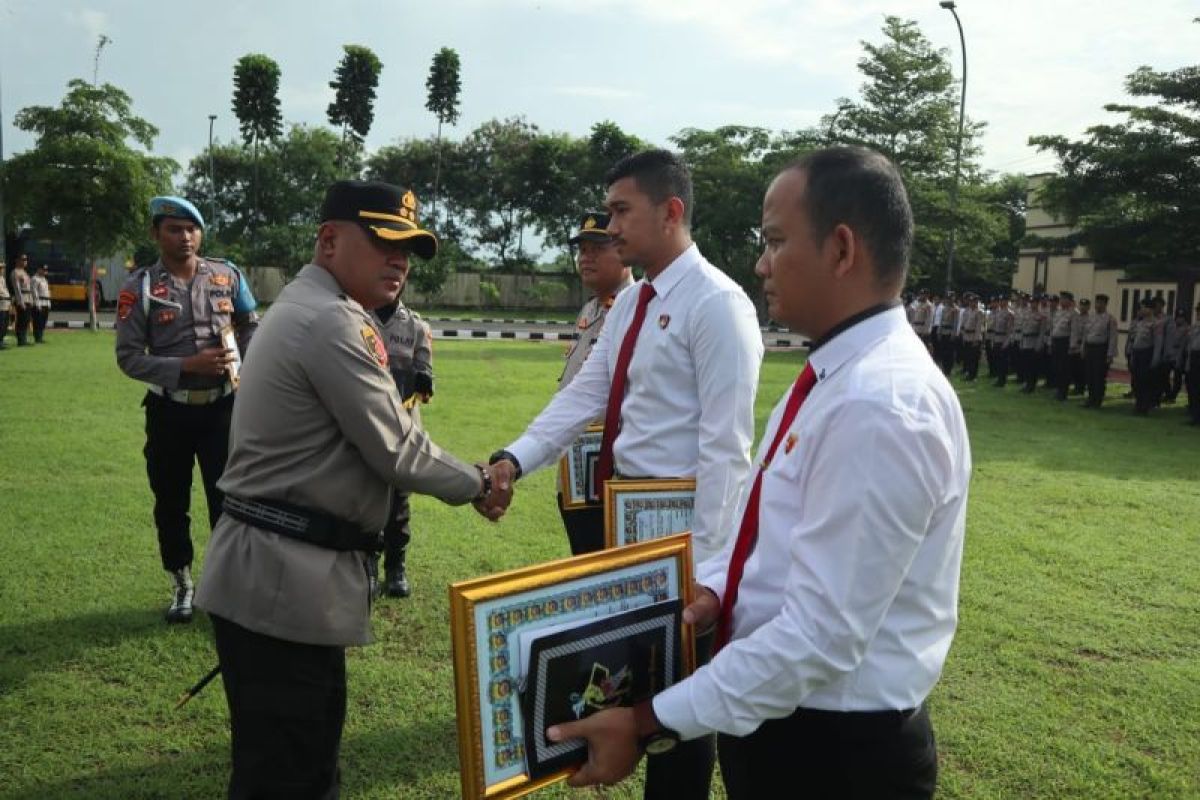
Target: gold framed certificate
<point x="577" y="470"/>
<point x="643" y="510"/>
<point x="500" y="623"/>
<point x="229" y="342"/>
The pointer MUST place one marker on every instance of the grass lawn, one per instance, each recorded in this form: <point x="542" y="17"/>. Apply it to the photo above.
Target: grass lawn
<point x="1075" y="672"/>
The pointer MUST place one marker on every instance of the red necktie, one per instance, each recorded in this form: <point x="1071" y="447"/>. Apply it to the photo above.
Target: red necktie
<point x="616" y="394"/>
<point x="748" y="530"/>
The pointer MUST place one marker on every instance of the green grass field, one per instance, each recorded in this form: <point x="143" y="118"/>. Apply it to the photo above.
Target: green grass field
<point x="1075" y="672"/>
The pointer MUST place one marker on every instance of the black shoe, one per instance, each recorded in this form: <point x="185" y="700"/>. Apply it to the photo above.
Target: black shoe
<point x="396" y="584"/>
<point x="183" y="590"/>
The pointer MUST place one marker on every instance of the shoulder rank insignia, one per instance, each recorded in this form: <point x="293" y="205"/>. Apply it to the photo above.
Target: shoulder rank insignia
<point x="374" y="345"/>
<point x="664" y="320"/>
<point x="125" y="302"/>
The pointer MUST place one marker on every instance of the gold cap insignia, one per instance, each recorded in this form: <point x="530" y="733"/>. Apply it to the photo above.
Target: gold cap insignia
<point x="408" y="207"/>
<point x="589" y="223"/>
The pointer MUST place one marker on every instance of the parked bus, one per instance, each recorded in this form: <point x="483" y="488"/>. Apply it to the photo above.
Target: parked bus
<point x="68" y="274"/>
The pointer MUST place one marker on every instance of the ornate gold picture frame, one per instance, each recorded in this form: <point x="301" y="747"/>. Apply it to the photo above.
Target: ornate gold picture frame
<point x="490" y="615"/>
<point x="643" y="510"/>
<point x="577" y="469"/>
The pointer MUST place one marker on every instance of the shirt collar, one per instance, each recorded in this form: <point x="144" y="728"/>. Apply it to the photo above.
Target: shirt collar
<point x="676" y="271"/>
<point x="850" y="336"/>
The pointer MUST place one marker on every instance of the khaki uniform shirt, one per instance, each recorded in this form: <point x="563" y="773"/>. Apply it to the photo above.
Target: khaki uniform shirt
<point x="1000" y="326"/>
<point x="923" y="319"/>
<point x="1032" y="326"/>
<point x="319" y="423"/>
<point x="1191" y="352"/>
<point x="177" y="319"/>
<point x="1101" y="328"/>
<point x="23" y="288"/>
<point x="1143" y="335"/>
<point x="409" y="345"/>
<point x="1078" y="325"/>
<point x="1060" y="325"/>
<point x="41" y="291"/>
<point x="972" y="325"/>
<point x="589" y="324"/>
<point x="5" y="297"/>
<point x="949" y="320"/>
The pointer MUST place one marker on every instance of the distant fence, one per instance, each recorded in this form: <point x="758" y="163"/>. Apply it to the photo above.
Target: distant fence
<point x="463" y="290"/>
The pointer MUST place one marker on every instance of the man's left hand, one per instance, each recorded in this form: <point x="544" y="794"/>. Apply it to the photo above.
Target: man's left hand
<point x="613" y="751"/>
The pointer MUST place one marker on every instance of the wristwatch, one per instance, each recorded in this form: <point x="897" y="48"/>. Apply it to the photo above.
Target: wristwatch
<point x="504" y="455"/>
<point x="486" y="475"/>
<point x="653" y="738"/>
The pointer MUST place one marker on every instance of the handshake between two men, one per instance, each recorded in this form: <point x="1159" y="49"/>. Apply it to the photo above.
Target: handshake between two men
<point x="497" y="492"/>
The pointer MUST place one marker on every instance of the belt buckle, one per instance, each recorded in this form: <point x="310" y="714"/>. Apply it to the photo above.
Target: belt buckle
<point x="199" y="397"/>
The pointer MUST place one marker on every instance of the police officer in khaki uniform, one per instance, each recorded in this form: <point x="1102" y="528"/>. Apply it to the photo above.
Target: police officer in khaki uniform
<point x="922" y="320"/>
<point x="5" y="304"/>
<point x="41" y="304"/>
<point x="605" y="275"/>
<point x="23" y="299"/>
<point x="1099" y="350"/>
<point x="1032" y="328"/>
<point x="1190" y="358"/>
<point x="169" y="321"/>
<point x="1060" y="344"/>
<point x="1000" y="329"/>
<point x="1145" y="352"/>
<point x="320" y="441"/>
<point x="409" y="344"/>
<point x="947" y="337"/>
<point x="1078" y="326"/>
<point x="971" y="322"/>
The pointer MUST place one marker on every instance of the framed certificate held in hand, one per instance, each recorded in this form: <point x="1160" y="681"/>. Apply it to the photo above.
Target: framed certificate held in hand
<point x="577" y="470"/>
<point x="643" y="510"/>
<point x="560" y="641"/>
<point x="229" y="342"/>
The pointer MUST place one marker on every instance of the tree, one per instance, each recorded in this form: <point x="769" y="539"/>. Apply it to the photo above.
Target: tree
<point x="444" y="86"/>
<point x="497" y="198"/>
<point x="909" y="112"/>
<point x="295" y="170"/>
<point x="82" y="182"/>
<point x="1130" y="189"/>
<point x="256" y="105"/>
<point x="353" y="107"/>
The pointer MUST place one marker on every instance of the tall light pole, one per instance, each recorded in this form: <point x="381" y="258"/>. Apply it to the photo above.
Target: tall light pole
<point x="962" y="109"/>
<point x="212" y="181"/>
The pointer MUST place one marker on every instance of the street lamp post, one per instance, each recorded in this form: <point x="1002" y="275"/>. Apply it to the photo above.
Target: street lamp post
<point x="962" y="108"/>
<point x="212" y="182"/>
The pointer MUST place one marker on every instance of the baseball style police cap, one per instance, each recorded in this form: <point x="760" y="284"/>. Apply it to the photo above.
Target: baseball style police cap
<point x="386" y="211"/>
<point x="171" y="206"/>
<point x="593" y="226"/>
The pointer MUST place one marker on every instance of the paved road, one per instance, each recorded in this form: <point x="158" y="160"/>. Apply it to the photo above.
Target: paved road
<point x="472" y="328"/>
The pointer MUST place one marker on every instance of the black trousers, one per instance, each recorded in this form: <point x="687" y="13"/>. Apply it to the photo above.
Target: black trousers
<point x="585" y="527"/>
<point x="1029" y="368"/>
<point x="3" y="326"/>
<point x="1078" y="374"/>
<point x="1141" y="376"/>
<point x="287" y="707"/>
<point x="40" y="316"/>
<point x="970" y="359"/>
<point x="873" y="755"/>
<point x="685" y="773"/>
<point x="1095" y="366"/>
<point x="1002" y="357"/>
<point x="178" y="435"/>
<point x="397" y="533"/>
<point x="1060" y="356"/>
<point x="1173" y="383"/>
<point x="24" y="315"/>
<point x="1193" y="387"/>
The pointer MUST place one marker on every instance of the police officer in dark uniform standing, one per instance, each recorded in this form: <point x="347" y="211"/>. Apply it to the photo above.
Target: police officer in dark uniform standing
<point x="605" y="275"/>
<point x="320" y="441"/>
<point x="169" y="321"/>
<point x="409" y="344"/>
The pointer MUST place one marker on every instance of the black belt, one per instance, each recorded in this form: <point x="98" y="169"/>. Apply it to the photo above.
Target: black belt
<point x="295" y="522"/>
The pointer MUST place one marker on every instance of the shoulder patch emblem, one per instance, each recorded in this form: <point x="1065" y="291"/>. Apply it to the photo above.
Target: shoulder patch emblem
<point x="664" y="320"/>
<point x="225" y="306"/>
<point x="374" y="345"/>
<point x="159" y="290"/>
<point x="125" y="301"/>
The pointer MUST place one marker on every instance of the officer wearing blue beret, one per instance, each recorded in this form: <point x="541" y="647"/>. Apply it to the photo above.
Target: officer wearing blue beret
<point x="183" y="325"/>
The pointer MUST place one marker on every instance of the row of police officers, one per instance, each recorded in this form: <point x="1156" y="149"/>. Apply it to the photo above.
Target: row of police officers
<point x="25" y="299"/>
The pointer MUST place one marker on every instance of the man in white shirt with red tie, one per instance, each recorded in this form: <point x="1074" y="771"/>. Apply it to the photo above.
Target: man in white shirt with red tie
<point x="674" y="375"/>
<point x="837" y="600"/>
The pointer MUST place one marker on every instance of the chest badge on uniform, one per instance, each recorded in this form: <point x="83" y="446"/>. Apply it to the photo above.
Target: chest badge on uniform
<point x="165" y="317"/>
<point x="220" y="280"/>
<point x="664" y="320"/>
<point x="159" y="290"/>
<point x="790" y="444"/>
<point x="225" y="305"/>
<point x="125" y="301"/>
<point x="374" y="345"/>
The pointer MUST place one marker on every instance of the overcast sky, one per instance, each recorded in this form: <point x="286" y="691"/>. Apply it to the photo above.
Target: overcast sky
<point x="652" y="66"/>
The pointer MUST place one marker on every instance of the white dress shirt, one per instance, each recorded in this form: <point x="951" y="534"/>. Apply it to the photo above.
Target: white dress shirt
<point x="689" y="406"/>
<point x="937" y="314"/>
<point x="849" y="599"/>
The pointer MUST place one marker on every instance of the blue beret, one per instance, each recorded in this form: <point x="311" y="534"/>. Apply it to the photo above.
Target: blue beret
<point x="171" y="206"/>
